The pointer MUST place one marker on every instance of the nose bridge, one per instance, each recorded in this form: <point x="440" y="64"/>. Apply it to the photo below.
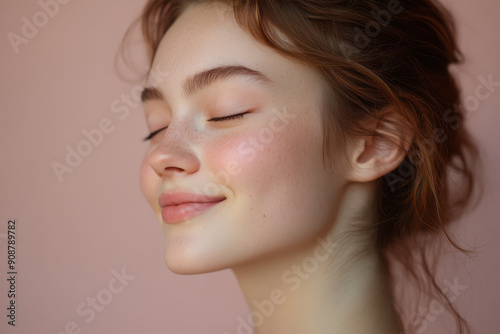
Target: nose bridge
<point x="178" y="131"/>
<point x="176" y="152"/>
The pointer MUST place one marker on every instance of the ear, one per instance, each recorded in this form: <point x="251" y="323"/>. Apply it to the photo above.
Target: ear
<point x="371" y="157"/>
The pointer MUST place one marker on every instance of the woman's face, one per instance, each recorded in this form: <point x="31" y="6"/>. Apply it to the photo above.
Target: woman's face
<point x="266" y="164"/>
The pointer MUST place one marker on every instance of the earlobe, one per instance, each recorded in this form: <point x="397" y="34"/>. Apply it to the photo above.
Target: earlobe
<point x="374" y="156"/>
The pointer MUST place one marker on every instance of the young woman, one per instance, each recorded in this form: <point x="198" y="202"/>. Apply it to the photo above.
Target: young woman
<point x="306" y="146"/>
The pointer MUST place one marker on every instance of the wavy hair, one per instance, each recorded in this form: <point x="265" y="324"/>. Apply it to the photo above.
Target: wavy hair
<point x="375" y="54"/>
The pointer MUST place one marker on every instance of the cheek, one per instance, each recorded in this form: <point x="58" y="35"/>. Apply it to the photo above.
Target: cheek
<point x="276" y="166"/>
<point x="237" y="159"/>
<point x="276" y="177"/>
<point x="277" y="190"/>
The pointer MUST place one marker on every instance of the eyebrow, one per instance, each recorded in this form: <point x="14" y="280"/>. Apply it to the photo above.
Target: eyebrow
<point x="208" y="77"/>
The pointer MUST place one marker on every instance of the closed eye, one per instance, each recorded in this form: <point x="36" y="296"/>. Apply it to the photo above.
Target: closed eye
<point x="227" y="118"/>
<point x="152" y="134"/>
<point x="217" y="119"/>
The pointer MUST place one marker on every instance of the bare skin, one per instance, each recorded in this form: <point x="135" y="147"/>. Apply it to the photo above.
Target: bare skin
<point x="338" y="285"/>
<point x="280" y="200"/>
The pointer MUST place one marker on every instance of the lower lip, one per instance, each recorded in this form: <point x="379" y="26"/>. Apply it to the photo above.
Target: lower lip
<point x="178" y="213"/>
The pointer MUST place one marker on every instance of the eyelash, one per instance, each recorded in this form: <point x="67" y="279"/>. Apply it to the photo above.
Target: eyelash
<point x="152" y="134"/>
<point x="217" y="119"/>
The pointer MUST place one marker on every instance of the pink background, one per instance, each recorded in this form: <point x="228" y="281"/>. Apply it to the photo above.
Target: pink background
<point x="72" y="234"/>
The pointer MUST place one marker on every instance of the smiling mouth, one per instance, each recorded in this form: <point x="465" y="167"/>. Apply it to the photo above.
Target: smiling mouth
<point x="172" y="214"/>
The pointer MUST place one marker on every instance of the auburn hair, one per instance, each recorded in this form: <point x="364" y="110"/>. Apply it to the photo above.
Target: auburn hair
<point x="374" y="54"/>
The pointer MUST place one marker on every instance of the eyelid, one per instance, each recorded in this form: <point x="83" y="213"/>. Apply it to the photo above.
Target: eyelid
<point x="215" y="119"/>
<point x="230" y="117"/>
<point x="152" y="134"/>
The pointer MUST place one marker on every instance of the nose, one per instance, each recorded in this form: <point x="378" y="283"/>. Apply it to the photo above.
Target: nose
<point x="175" y="153"/>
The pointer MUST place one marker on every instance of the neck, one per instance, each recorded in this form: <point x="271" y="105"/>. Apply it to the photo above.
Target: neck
<point x="337" y="283"/>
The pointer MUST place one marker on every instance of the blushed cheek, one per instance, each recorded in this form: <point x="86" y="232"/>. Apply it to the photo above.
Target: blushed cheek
<point x="246" y="157"/>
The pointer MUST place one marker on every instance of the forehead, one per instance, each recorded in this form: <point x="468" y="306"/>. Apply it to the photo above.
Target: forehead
<point x="207" y="36"/>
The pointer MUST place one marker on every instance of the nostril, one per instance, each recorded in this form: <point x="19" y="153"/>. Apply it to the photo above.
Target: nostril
<point x="173" y="169"/>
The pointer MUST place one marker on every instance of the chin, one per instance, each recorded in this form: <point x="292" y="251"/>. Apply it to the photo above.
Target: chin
<point x="191" y="264"/>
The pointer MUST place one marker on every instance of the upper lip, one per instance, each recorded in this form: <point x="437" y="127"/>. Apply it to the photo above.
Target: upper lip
<point x="177" y="198"/>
